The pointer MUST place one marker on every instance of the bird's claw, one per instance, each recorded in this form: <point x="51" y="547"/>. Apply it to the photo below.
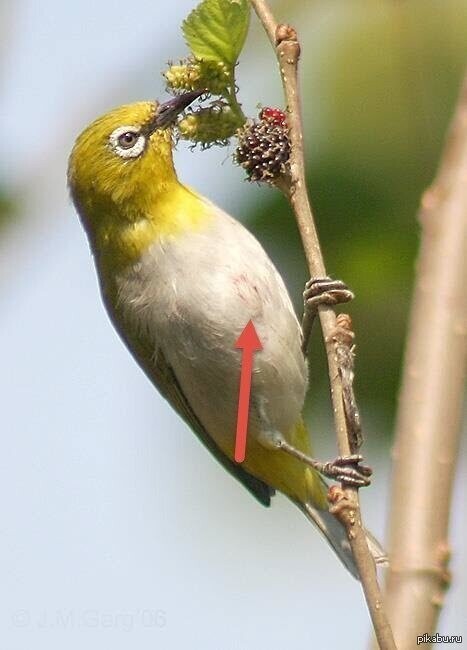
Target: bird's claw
<point x="320" y="291"/>
<point x="325" y="291"/>
<point x="348" y="471"/>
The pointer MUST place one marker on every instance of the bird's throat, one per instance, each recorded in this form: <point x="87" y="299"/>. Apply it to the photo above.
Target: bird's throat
<point x="123" y="236"/>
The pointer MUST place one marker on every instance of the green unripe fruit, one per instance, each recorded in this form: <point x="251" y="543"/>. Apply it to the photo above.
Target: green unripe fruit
<point x="196" y="74"/>
<point x="208" y="126"/>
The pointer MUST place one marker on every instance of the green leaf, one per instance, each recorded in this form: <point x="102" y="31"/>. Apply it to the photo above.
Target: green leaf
<point x="216" y="29"/>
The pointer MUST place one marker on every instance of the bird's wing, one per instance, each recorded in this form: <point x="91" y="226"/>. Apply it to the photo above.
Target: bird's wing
<point x="162" y="374"/>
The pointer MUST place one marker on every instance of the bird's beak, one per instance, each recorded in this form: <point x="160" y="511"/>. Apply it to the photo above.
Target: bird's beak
<point x="168" y="111"/>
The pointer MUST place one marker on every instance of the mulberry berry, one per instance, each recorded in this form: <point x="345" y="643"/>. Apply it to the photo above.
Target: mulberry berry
<point x="263" y="147"/>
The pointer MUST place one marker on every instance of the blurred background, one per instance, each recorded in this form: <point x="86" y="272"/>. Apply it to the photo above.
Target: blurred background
<point x="117" y="528"/>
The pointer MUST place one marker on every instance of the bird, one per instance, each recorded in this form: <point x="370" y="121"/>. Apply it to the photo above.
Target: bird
<point x="180" y="278"/>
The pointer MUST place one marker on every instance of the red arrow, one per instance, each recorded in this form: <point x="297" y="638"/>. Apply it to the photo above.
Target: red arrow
<point x="249" y="342"/>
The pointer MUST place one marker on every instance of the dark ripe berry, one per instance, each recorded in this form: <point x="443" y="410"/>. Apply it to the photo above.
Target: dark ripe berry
<point x="273" y="115"/>
<point x="263" y="147"/>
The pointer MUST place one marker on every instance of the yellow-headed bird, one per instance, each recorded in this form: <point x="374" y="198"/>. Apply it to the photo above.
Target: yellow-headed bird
<point x="180" y="279"/>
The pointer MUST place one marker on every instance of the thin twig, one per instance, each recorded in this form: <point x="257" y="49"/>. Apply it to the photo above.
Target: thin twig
<point x="287" y="48"/>
<point x="430" y="407"/>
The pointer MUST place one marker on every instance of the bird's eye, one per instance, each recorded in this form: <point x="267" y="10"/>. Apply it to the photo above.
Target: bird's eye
<point x="127" y="141"/>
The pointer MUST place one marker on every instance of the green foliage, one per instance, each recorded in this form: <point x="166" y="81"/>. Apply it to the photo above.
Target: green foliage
<point x="196" y="74"/>
<point x="215" y="32"/>
<point x="216" y="29"/>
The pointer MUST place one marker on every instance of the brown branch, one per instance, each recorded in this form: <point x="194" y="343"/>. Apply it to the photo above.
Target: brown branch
<point x="428" y="424"/>
<point x="287" y="48"/>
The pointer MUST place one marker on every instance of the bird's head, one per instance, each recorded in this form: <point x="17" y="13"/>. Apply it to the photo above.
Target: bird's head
<point x="122" y="162"/>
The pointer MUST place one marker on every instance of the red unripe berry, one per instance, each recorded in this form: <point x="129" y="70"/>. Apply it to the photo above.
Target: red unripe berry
<point x="273" y="115"/>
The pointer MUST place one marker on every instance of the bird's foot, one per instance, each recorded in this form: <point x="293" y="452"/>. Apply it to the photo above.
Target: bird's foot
<point x="321" y="291"/>
<point x="348" y="470"/>
<point x="325" y="291"/>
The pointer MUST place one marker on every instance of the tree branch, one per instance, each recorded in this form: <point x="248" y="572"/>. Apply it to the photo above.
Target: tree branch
<point x="428" y="424"/>
<point x="287" y="48"/>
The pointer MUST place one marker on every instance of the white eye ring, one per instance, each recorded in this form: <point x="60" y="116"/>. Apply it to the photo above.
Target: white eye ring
<point x="129" y="150"/>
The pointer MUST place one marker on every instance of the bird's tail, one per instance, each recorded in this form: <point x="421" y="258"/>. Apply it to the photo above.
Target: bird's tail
<point x="314" y="503"/>
<point x="336" y="536"/>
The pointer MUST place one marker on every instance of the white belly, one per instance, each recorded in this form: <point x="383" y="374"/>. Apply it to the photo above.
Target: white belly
<point x="192" y="297"/>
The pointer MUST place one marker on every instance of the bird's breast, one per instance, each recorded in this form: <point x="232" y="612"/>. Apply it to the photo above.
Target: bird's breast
<point x="191" y="296"/>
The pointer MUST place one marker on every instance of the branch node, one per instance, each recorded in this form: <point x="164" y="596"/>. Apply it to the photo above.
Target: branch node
<point x="285" y="32"/>
<point x="343" y="508"/>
